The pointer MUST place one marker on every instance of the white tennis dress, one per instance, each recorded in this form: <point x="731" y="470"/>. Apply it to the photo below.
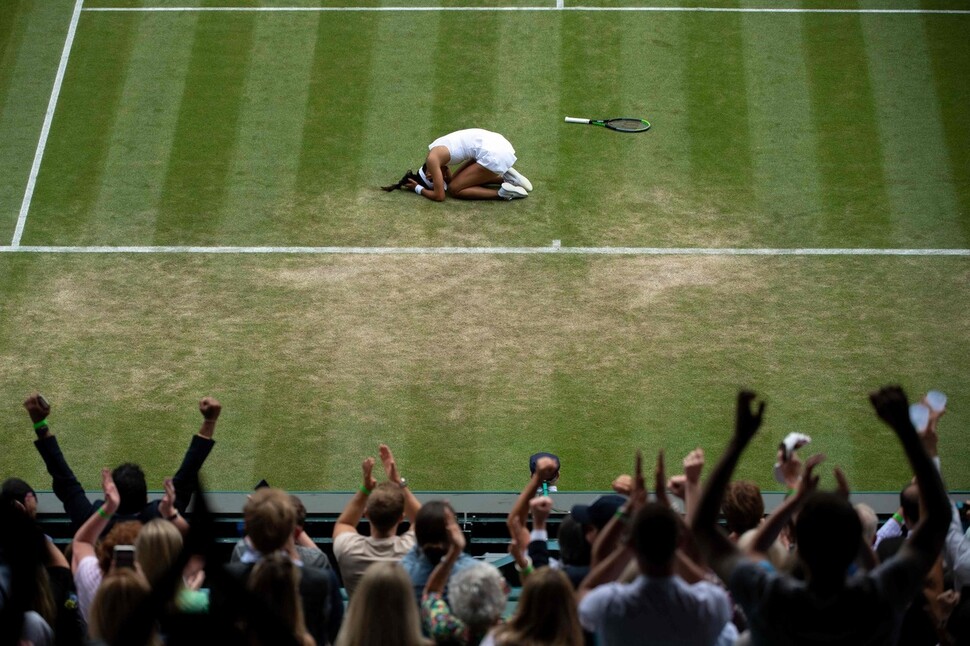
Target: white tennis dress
<point x="489" y="149"/>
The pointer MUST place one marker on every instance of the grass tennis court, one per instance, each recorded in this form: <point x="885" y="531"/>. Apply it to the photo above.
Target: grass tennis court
<point x="256" y="131"/>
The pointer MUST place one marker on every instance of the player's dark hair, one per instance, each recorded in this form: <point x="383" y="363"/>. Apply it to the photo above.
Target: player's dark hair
<point x="404" y="180"/>
<point x="130" y="480"/>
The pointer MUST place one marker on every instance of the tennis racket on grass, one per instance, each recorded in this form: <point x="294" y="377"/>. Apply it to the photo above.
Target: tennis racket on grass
<point x="623" y="124"/>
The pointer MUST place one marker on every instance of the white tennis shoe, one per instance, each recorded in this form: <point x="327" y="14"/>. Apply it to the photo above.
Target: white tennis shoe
<point x="510" y="192"/>
<point x="515" y="178"/>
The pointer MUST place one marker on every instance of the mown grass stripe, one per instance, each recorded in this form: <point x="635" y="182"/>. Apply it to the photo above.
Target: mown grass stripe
<point x="949" y="49"/>
<point x="74" y="148"/>
<point x="13" y="17"/>
<point x="29" y="59"/>
<point x="856" y="205"/>
<point x="716" y="94"/>
<point x="143" y="135"/>
<point x="197" y="176"/>
<point x="527" y="102"/>
<point x="782" y="138"/>
<point x="465" y="79"/>
<point x="335" y="114"/>
<point x="398" y="126"/>
<point x="920" y="185"/>
<point x="590" y="46"/>
<point x="270" y="131"/>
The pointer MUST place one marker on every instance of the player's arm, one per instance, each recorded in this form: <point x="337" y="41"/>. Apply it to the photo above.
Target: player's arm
<point x="437" y="158"/>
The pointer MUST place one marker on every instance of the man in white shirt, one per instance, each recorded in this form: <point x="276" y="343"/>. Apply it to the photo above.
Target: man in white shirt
<point x="658" y="605"/>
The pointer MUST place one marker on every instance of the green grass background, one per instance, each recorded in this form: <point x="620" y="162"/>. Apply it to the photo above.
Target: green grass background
<point x="770" y="130"/>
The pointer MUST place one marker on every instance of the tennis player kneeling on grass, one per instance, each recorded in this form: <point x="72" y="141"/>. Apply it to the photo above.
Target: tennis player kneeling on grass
<point x="486" y="171"/>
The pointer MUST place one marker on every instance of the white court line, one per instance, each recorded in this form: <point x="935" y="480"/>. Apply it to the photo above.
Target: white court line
<point x="485" y="251"/>
<point x="559" y="7"/>
<point x="45" y="130"/>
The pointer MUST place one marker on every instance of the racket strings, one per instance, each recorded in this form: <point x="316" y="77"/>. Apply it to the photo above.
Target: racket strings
<point x="628" y="124"/>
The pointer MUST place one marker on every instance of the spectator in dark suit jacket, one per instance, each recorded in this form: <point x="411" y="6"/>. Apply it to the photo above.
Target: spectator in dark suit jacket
<point x="270" y="520"/>
<point x="128" y="477"/>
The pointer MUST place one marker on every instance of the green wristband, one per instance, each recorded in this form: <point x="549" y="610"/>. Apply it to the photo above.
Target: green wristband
<point x="790" y="492"/>
<point x="41" y="424"/>
<point x="103" y="513"/>
<point x="898" y="518"/>
<point x="364" y="490"/>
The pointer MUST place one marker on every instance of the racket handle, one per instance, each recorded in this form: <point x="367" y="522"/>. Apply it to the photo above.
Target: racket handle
<point x="575" y="120"/>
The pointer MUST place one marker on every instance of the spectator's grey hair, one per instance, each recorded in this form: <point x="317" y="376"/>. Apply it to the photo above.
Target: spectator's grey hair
<point x="477" y="595"/>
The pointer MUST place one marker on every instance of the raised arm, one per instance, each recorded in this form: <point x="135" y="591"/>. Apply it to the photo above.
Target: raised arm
<point x="545" y="470"/>
<point x="186" y="479"/>
<point x="438" y="158"/>
<point x="456" y="544"/>
<point x="168" y="510"/>
<point x="721" y="554"/>
<point x="693" y="466"/>
<point x="538" y="548"/>
<point x="769" y="531"/>
<point x="87" y="535"/>
<point x="352" y="513"/>
<point x="609" y="537"/>
<point x="411" y="503"/>
<point x="956" y="541"/>
<point x="926" y="540"/>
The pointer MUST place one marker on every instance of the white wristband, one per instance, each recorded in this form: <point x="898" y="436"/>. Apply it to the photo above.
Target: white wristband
<point x="418" y="189"/>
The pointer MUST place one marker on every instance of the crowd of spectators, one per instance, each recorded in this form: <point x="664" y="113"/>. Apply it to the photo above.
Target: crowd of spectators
<point x="696" y="562"/>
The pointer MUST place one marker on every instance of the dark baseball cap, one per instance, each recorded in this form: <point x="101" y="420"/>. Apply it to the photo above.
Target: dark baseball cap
<point x="599" y="512"/>
<point x="535" y="458"/>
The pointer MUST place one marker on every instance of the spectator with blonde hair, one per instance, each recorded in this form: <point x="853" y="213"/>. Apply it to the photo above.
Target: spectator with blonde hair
<point x="157" y="550"/>
<point x="383" y="612"/>
<point x="546" y="614"/>
<point x="115" y="616"/>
